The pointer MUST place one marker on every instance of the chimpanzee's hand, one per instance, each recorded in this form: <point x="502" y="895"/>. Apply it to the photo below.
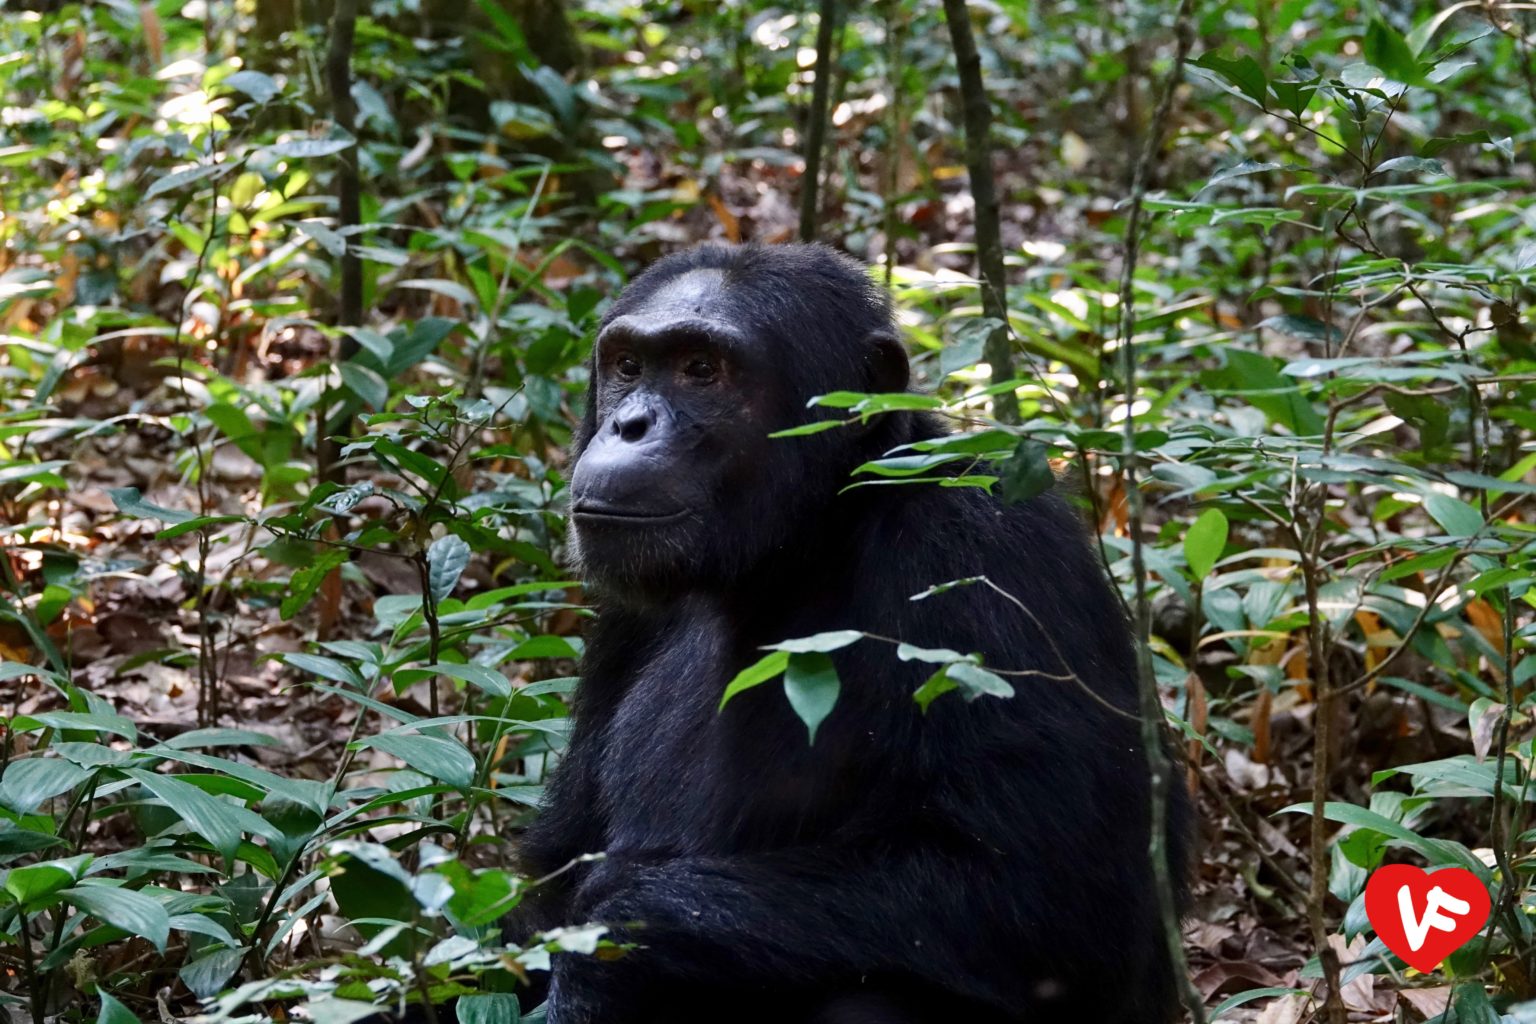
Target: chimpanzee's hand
<point x="582" y="991"/>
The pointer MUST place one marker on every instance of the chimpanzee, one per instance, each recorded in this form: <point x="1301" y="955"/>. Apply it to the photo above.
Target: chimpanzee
<point x="984" y="860"/>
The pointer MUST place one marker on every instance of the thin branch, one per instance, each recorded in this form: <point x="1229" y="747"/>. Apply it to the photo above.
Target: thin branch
<point x="1153" y="729"/>
<point x="349" y="312"/>
<point x="816" y="126"/>
<point x="976" y="108"/>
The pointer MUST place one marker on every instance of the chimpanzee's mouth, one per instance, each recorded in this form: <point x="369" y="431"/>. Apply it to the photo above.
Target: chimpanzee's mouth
<point x="596" y="512"/>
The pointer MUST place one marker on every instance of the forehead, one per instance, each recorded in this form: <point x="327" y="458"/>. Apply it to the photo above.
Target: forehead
<point x="698" y="293"/>
<point x="696" y="303"/>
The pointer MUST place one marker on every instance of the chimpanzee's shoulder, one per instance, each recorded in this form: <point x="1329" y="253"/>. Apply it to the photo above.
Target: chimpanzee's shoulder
<point x="965" y="526"/>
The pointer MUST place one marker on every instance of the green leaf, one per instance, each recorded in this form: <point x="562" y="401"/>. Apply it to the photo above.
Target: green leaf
<point x="377" y="344"/>
<point x="561" y="95"/>
<point x="936" y="686"/>
<point x="509" y="36"/>
<point x="968" y="347"/>
<point x="309" y="147"/>
<point x="806" y="429"/>
<point x="1302" y="328"/>
<point x="947" y="586"/>
<point x="1385" y="48"/>
<point x="1440" y="144"/>
<point x="365" y="384"/>
<point x="1241" y="169"/>
<point x="446" y="559"/>
<point x="216" y="821"/>
<point x="208" y="974"/>
<point x="371" y="888"/>
<point x="133" y="912"/>
<point x="436" y="756"/>
<point x="195" y="523"/>
<point x="1425" y="30"/>
<point x="1436" y="851"/>
<point x="898" y="401"/>
<point x="1243" y="72"/>
<point x="1412" y="164"/>
<point x="1233" y="1002"/>
<point x="1468" y="1002"/>
<point x="479" y="676"/>
<point x="811" y="684"/>
<point x="492" y="1008"/>
<point x="35" y="881"/>
<point x="1027" y="473"/>
<point x="931" y="655"/>
<point x="448" y="289"/>
<point x="41" y="472"/>
<point x="822" y="643"/>
<point x="838" y="399"/>
<point x="760" y="671"/>
<point x="258" y="86"/>
<point x="1455" y="516"/>
<point x="309" y="793"/>
<point x="1204" y="542"/>
<point x="975" y="681"/>
<point x="970" y="678"/>
<point x="325" y="668"/>
<point x="176" y="179"/>
<point x="344" y="501"/>
<point x="334" y="243"/>
<point x="307" y="579"/>
<point x="331" y="1010"/>
<point x="1296" y="85"/>
<point x="113" y="1012"/>
<point x="18" y="842"/>
<point x="984" y="442"/>
<point x="82" y="721"/>
<point x="1429" y="560"/>
<point x="419" y="342"/>
<point x="131" y="503"/>
<point x="234" y="424"/>
<point x="543" y="647"/>
<point x="907" y="465"/>
<point x="400" y="458"/>
<point x="1266" y="390"/>
<point x="21" y="670"/>
<point x="31" y="781"/>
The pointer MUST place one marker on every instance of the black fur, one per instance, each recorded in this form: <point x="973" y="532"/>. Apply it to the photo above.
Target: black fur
<point x="986" y="861"/>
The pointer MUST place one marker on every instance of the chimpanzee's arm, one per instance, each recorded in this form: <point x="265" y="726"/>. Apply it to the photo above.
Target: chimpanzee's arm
<point x="800" y="918"/>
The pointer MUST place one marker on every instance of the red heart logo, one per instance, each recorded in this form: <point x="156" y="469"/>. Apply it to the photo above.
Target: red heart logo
<point x="1424" y="917"/>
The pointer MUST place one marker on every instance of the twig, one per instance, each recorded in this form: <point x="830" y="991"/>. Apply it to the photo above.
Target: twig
<point x="976" y="109"/>
<point x="816" y="125"/>
<point x="349" y="313"/>
<point x="1153" y="730"/>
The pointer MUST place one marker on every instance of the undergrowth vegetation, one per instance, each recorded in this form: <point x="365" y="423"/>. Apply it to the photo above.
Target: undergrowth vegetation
<point x="285" y="633"/>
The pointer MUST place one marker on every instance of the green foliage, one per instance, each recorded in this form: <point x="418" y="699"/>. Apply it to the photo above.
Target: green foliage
<point x="1333" y="426"/>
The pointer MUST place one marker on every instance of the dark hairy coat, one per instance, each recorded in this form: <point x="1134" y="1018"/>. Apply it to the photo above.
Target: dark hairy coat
<point x="983" y="861"/>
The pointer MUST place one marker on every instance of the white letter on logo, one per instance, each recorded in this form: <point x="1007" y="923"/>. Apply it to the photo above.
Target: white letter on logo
<point x="1417" y="929"/>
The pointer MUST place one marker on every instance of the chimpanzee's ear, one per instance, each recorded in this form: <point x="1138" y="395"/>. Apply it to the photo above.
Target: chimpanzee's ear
<point x="886" y="359"/>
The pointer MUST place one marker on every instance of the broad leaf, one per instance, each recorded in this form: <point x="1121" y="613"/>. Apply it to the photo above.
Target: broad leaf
<point x="811" y="684"/>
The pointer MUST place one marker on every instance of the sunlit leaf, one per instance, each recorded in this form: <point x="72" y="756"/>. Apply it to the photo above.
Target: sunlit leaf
<point x="811" y="684"/>
<point x="770" y="666"/>
<point x="134" y="912"/>
<point x="446" y="560"/>
<point x="1204" y="543"/>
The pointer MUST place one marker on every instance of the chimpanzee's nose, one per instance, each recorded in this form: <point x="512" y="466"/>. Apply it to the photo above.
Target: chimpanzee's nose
<point x="633" y="421"/>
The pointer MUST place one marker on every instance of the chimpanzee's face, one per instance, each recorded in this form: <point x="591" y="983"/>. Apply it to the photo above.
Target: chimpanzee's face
<point x="678" y="484"/>
<point x="682" y="420"/>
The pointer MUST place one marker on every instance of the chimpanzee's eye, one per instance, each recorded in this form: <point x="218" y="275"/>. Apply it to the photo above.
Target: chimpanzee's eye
<point x="627" y="365"/>
<point x="701" y="369"/>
